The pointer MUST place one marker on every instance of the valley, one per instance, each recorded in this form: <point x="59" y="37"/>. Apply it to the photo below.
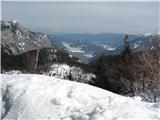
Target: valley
<point x="125" y="65"/>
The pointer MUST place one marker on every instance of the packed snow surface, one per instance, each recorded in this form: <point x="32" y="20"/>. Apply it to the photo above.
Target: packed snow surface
<point x="40" y="97"/>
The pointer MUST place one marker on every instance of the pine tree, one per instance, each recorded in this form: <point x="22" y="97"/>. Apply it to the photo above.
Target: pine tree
<point x="127" y="52"/>
<point x="124" y="67"/>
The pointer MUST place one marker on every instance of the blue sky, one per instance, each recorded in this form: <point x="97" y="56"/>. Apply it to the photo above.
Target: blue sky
<point x="85" y="17"/>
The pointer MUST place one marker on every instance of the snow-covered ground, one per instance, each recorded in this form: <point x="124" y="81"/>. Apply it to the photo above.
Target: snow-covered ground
<point x="40" y="97"/>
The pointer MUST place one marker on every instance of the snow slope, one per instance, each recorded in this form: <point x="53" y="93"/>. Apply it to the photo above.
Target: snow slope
<point x="30" y="96"/>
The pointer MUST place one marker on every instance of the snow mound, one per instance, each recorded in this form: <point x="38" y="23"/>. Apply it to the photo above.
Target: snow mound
<point x="31" y="96"/>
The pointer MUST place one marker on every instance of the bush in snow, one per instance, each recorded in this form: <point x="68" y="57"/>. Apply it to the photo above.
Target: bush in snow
<point x="65" y="71"/>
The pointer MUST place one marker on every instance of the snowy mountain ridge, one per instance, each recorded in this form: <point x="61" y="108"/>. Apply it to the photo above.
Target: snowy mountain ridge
<point x="31" y="96"/>
<point x="16" y="39"/>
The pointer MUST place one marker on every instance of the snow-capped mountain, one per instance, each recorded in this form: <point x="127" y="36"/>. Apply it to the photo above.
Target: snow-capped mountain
<point x="30" y="96"/>
<point x="16" y="39"/>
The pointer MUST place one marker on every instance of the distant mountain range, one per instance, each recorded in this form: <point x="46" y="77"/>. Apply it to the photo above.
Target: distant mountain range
<point x="87" y="46"/>
<point x="16" y="39"/>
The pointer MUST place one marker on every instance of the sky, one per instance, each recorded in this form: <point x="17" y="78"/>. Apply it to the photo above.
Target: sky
<point x="84" y="17"/>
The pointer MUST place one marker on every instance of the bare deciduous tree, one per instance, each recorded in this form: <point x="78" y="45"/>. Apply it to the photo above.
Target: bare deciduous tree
<point x="146" y="74"/>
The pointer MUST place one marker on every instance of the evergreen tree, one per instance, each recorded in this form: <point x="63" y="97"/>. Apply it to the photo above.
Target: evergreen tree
<point x="127" y="52"/>
<point x="101" y="74"/>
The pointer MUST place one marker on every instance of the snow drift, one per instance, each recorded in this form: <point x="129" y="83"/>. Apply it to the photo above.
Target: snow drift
<point x="30" y="96"/>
